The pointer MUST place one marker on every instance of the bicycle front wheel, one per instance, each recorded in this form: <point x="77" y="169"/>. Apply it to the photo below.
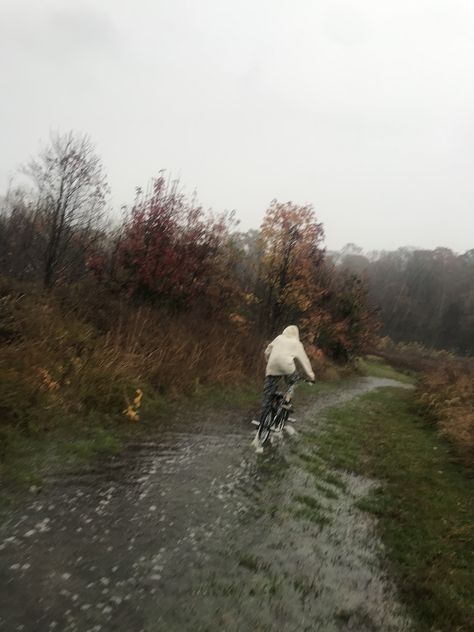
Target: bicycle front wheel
<point x="264" y="429"/>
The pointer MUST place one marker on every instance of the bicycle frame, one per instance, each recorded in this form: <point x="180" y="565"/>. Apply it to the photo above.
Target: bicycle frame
<point x="278" y="414"/>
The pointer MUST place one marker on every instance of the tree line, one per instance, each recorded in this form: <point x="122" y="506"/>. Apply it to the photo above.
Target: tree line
<point x="169" y="252"/>
<point x="424" y="296"/>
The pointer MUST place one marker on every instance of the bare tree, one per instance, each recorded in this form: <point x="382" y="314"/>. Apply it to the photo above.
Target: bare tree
<point x="69" y="196"/>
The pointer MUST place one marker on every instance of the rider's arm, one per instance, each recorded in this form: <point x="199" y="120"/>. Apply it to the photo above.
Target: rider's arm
<point x="304" y="362"/>
<point x="268" y="350"/>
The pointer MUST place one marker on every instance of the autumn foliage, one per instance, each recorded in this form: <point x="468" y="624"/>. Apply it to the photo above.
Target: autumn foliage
<point x="171" y="299"/>
<point x="445" y="390"/>
<point x="446" y="396"/>
<point x="300" y="284"/>
<point x="291" y="243"/>
<point x="169" y="249"/>
<point x="170" y="253"/>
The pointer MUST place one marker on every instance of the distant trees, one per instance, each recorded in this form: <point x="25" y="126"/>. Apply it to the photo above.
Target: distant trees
<point x="18" y="236"/>
<point x="424" y="295"/>
<point x="52" y="223"/>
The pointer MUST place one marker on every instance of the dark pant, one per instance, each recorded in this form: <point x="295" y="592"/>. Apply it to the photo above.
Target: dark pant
<point x="269" y="389"/>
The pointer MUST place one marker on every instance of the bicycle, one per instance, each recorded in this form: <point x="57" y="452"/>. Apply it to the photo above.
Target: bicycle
<point x="277" y="415"/>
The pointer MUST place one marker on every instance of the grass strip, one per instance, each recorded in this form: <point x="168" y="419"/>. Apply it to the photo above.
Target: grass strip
<point x="425" y="504"/>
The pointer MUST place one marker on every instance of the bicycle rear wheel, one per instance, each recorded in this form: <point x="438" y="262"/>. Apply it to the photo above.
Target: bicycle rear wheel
<point x="280" y="419"/>
<point x="263" y="431"/>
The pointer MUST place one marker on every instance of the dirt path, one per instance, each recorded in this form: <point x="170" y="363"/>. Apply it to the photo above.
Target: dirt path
<point x="197" y="532"/>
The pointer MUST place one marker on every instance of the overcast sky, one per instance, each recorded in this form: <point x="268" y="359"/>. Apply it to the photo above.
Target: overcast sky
<point x="363" y="108"/>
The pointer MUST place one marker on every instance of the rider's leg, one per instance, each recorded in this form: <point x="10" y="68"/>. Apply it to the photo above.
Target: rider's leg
<point x="290" y="381"/>
<point x="269" y="388"/>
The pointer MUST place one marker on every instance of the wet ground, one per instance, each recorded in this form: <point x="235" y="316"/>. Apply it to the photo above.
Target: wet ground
<point x="195" y="531"/>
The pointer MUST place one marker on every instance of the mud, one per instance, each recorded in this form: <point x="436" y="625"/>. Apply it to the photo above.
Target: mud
<point x="194" y="531"/>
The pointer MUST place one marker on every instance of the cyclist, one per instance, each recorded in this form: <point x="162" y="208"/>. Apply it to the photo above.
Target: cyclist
<point x="282" y="355"/>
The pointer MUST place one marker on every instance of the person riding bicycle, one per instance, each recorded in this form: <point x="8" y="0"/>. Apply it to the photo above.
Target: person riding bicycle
<point x="282" y="355"/>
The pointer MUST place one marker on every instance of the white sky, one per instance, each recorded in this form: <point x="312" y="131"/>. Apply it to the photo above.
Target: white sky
<point x="363" y="108"/>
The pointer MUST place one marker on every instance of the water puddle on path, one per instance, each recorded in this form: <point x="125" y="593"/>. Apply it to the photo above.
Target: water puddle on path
<point x="197" y="532"/>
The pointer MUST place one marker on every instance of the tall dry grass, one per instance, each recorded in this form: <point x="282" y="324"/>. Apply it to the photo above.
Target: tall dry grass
<point x="67" y="355"/>
<point x="445" y="393"/>
<point x="447" y="397"/>
<point x="415" y="356"/>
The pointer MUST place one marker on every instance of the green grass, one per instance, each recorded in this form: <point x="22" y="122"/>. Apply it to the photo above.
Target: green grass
<point x="375" y="367"/>
<point x="326" y="491"/>
<point x="424" y="506"/>
<point x="318" y="388"/>
<point x="237" y="397"/>
<point x="317" y="465"/>
<point x="309" y="508"/>
<point x="73" y="440"/>
<point x="31" y="456"/>
<point x="252" y="563"/>
<point x="306" y="587"/>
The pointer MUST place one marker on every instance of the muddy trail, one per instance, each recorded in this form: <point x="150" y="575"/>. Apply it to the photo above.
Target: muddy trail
<point x="194" y="531"/>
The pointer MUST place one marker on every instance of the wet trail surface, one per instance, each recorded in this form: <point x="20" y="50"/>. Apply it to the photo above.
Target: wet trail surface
<point x="197" y="532"/>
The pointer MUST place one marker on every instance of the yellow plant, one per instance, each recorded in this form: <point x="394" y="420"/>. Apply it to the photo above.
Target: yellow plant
<point x="47" y="380"/>
<point x="131" y="412"/>
<point x="138" y="398"/>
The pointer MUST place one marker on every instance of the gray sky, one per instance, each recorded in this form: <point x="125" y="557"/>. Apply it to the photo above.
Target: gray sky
<point x="363" y="108"/>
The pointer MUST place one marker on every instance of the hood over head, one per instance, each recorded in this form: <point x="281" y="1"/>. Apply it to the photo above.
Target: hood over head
<point x="291" y="332"/>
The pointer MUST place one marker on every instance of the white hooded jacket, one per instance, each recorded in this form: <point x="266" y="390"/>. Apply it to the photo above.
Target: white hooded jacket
<point x="283" y="351"/>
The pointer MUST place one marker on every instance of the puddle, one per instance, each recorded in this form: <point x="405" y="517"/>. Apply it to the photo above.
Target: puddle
<point x="195" y="531"/>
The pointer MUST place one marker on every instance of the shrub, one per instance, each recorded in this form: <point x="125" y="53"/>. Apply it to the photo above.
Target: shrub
<point x="447" y="397"/>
